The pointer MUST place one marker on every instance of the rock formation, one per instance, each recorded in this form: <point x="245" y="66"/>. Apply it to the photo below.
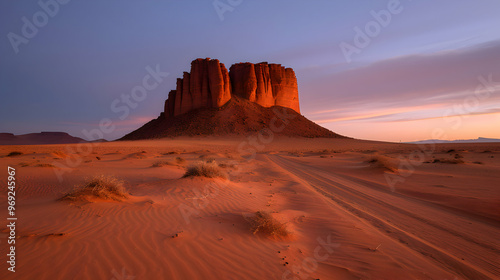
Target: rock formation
<point x="206" y="86"/>
<point x="209" y="85"/>
<point x="265" y="84"/>
<point x="209" y="100"/>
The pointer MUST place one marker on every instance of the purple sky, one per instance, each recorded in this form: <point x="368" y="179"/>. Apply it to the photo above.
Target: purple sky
<point x="425" y="62"/>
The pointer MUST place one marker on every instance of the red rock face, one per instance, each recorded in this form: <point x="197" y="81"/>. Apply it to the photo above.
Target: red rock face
<point x="178" y="98"/>
<point x="220" y="88"/>
<point x="209" y="85"/>
<point x="170" y="104"/>
<point x="264" y="93"/>
<point x="206" y="86"/>
<point x="243" y="80"/>
<point x="266" y="84"/>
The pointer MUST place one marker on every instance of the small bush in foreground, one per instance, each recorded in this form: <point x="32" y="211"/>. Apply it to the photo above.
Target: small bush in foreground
<point x="264" y="223"/>
<point x="206" y="169"/>
<point x="382" y="162"/>
<point x="14" y="153"/>
<point x="102" y="187"/>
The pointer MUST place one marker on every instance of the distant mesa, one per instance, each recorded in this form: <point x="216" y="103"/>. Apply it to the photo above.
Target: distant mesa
<point x="41" y="138"/>
<point x="210" y="85"/>
<point x="210" y="100"/>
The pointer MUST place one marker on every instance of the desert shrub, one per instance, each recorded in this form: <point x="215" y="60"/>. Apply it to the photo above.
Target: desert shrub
<point x="264" y="223"/>
<point x="382" y="162"/>
<point x="206" y="169"/>
<point x="458" y="156"/>
<point x="102" y="187"/>
<point x="14" y="153"/>
<point x="180" y="160"/>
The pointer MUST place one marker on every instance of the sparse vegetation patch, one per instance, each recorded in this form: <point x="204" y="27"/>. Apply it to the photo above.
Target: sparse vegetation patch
<point x="100" y="187"/>
<point x="264" y="223"/>
<point x="206" y="169"/>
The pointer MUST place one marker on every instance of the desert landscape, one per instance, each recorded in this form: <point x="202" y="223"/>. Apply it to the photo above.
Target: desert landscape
<point x="231" y="182"/>
<point x="250" y="140"/>
<point x="342" y="220"/>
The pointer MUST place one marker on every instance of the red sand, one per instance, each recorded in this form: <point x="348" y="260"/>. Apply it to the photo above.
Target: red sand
<point x="440" y="222"/>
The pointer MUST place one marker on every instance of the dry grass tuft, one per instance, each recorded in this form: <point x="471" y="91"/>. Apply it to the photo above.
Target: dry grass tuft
<point x="265" y="224"/>
<point x="14" y="153"/>
<point x="382" y="162"/>
<point x="206" y="169"/>
<point x="101" y="187"/>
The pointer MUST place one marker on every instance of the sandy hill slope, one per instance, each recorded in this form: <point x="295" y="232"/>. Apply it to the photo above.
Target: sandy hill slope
<point x="237" y="117"/>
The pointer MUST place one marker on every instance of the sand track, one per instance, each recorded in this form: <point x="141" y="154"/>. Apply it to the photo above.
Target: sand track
<point x="425" y="228"/>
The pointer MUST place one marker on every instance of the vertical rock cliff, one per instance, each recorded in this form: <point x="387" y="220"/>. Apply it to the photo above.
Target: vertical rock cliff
<point x="265" y="84"/>
<point x="210" y="85"/>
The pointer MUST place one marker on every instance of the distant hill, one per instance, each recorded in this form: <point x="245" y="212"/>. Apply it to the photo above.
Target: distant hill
<point x="39" y="138"/>
<point x="437" y="141"/>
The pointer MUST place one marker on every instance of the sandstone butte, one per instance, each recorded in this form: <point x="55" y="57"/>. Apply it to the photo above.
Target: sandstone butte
<point x="210" y="85"/>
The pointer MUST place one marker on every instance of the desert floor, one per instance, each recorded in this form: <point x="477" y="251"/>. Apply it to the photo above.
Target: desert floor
<point x="354" y="209"/>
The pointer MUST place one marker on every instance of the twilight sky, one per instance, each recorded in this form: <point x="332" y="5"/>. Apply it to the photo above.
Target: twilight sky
<point x="424" y="66"/>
